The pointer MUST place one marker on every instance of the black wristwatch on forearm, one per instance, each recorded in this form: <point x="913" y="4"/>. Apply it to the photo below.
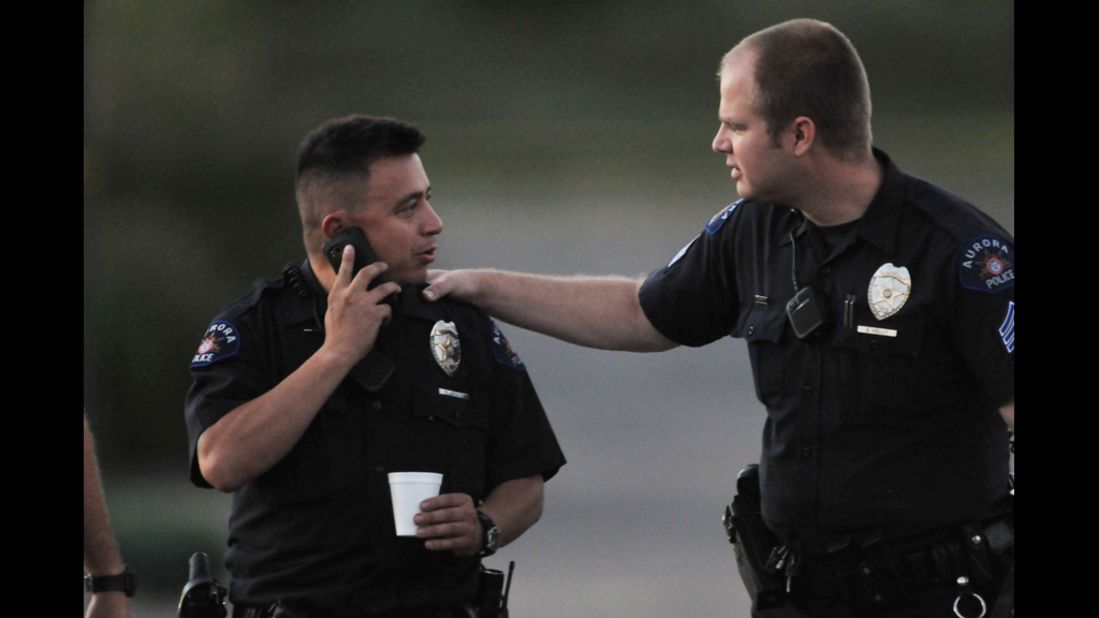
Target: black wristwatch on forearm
<point x="491" y="539"/>
<point x="126" y="581"/>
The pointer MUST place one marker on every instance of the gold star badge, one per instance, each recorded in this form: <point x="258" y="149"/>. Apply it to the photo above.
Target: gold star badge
<point x="446" y="347"/>
<point x="888" y="291"/>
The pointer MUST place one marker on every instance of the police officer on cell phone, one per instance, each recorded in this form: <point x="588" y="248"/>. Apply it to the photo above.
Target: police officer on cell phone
<point x="316" y="384"/>
<point x="879" y="315"/>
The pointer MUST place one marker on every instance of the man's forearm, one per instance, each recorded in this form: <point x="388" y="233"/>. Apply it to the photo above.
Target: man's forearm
<point x="101" y="555"/>
<point x="252" y="438"/>
<point x="514" y="506"/>
<point x="598" y="312"/>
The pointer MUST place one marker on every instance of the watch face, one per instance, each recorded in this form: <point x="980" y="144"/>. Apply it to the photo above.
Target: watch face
<point x="492" y="533"/>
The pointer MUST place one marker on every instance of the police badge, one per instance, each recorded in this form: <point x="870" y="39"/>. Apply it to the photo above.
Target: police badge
<point x="888" y="291"/>
<point x="445" y="346"/>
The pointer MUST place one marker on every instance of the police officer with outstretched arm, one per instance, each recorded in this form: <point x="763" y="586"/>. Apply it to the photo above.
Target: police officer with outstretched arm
<point x="878" y="310"/>
<point x="313" y="387"/>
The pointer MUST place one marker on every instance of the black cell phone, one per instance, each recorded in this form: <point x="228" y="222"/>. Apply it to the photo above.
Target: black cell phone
<point x="364" y="254"/>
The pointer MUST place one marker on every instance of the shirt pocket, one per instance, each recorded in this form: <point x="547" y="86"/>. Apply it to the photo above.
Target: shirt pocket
<point x="457" y="419"/>
<point x="763" y="326"/>
<point x="879" y="370"/>
<point x="323" y="461"/>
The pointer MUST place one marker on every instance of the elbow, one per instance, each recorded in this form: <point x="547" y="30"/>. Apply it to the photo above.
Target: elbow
<point x="538" y="500"/>
<point x="218" y="472"/>
<point x="536" y="508"/>
<point x="218" y="476"/>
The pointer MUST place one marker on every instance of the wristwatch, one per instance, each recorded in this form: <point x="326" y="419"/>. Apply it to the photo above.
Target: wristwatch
<point x="126" y="581"/>
<point x="491" y="540"/>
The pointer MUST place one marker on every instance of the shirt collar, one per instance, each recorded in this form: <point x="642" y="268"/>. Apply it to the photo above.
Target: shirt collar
<point x="878" y="225"/>
<point x="302" y="284"/>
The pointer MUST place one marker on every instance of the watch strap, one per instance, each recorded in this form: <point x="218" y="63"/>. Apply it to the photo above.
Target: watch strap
<point x="126" y="582"/>
<point x="490" y="539"/>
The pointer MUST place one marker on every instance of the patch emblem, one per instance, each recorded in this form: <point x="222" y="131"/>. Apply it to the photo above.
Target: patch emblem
<point x="220" y="342"/>
<point x="501" y="349"/>
<point x="889" y="289"/>
<point x="987" y="265"/>
<point x="718" y="221"/>
<point x="446" y="347"/>
<point x="1007" y="329"/>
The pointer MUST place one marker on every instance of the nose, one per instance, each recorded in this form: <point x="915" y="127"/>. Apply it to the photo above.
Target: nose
<point x="431" y="225"/>
<point x="721" y="144"/>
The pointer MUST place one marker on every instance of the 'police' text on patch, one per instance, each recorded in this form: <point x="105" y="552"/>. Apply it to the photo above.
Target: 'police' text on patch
<point x="987" y="264"/>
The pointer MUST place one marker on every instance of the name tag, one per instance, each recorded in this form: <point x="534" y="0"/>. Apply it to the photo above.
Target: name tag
<point x="874" y="330"/>
<point x="455" y="394"/>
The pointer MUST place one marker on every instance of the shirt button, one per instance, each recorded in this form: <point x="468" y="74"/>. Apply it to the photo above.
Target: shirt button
<point x="377" y="405"/>
<point x="751" y="329"/>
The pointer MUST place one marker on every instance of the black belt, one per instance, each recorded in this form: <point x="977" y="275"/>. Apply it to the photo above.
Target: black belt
<point x="882" y="573"/>
<point x="249" y="611"/>
<point x="433" y="611"/>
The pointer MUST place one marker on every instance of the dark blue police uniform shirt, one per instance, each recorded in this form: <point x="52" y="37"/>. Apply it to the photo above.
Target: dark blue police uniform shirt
<point x="875" y="425"/>
<point x="318" y="525"/>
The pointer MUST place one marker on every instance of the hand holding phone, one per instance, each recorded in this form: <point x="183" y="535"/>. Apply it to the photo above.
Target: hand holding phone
<point x="364" y="253"/>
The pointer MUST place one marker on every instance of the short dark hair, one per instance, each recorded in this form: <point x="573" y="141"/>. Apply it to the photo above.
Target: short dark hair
<point x="807" y="67"/>
<point x="343" y="148"/>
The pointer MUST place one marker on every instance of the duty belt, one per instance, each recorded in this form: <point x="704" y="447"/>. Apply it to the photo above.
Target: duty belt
<point x="879" y="574"/>
<point x="458" y="611"/>
<point x="247" y="611"/>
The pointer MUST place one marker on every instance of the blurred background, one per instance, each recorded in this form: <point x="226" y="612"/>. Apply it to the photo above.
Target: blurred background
<point x="571" y="139"/>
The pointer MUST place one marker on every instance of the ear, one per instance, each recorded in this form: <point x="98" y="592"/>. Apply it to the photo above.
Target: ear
<point x="804" y="132"/>
<point x="333" y="223"/>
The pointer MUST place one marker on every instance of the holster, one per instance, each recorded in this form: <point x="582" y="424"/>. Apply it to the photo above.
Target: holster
<point x="1004" y="606"/>
<point x="490" y="601"/>
<point x="753" y="543"/>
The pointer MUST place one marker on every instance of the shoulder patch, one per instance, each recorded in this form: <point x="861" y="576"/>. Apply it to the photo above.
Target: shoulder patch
<point x="221" y="341"/>
<point x="987" y="264"/>
<point x="502" y="352"/>
<point x="718" y="221"/>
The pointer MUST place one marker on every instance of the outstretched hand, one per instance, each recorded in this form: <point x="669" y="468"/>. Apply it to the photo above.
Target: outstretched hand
<point x="449" y="522"/>
<point x="457" y="283"/>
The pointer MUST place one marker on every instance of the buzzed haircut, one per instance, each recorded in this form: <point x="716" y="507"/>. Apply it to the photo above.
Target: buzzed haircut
<point x="807" y="67"/>
<point x="343" y="149"/>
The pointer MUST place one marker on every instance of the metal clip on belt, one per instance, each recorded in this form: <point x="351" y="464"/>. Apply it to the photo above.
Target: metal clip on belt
<point x="967" y="596"/>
